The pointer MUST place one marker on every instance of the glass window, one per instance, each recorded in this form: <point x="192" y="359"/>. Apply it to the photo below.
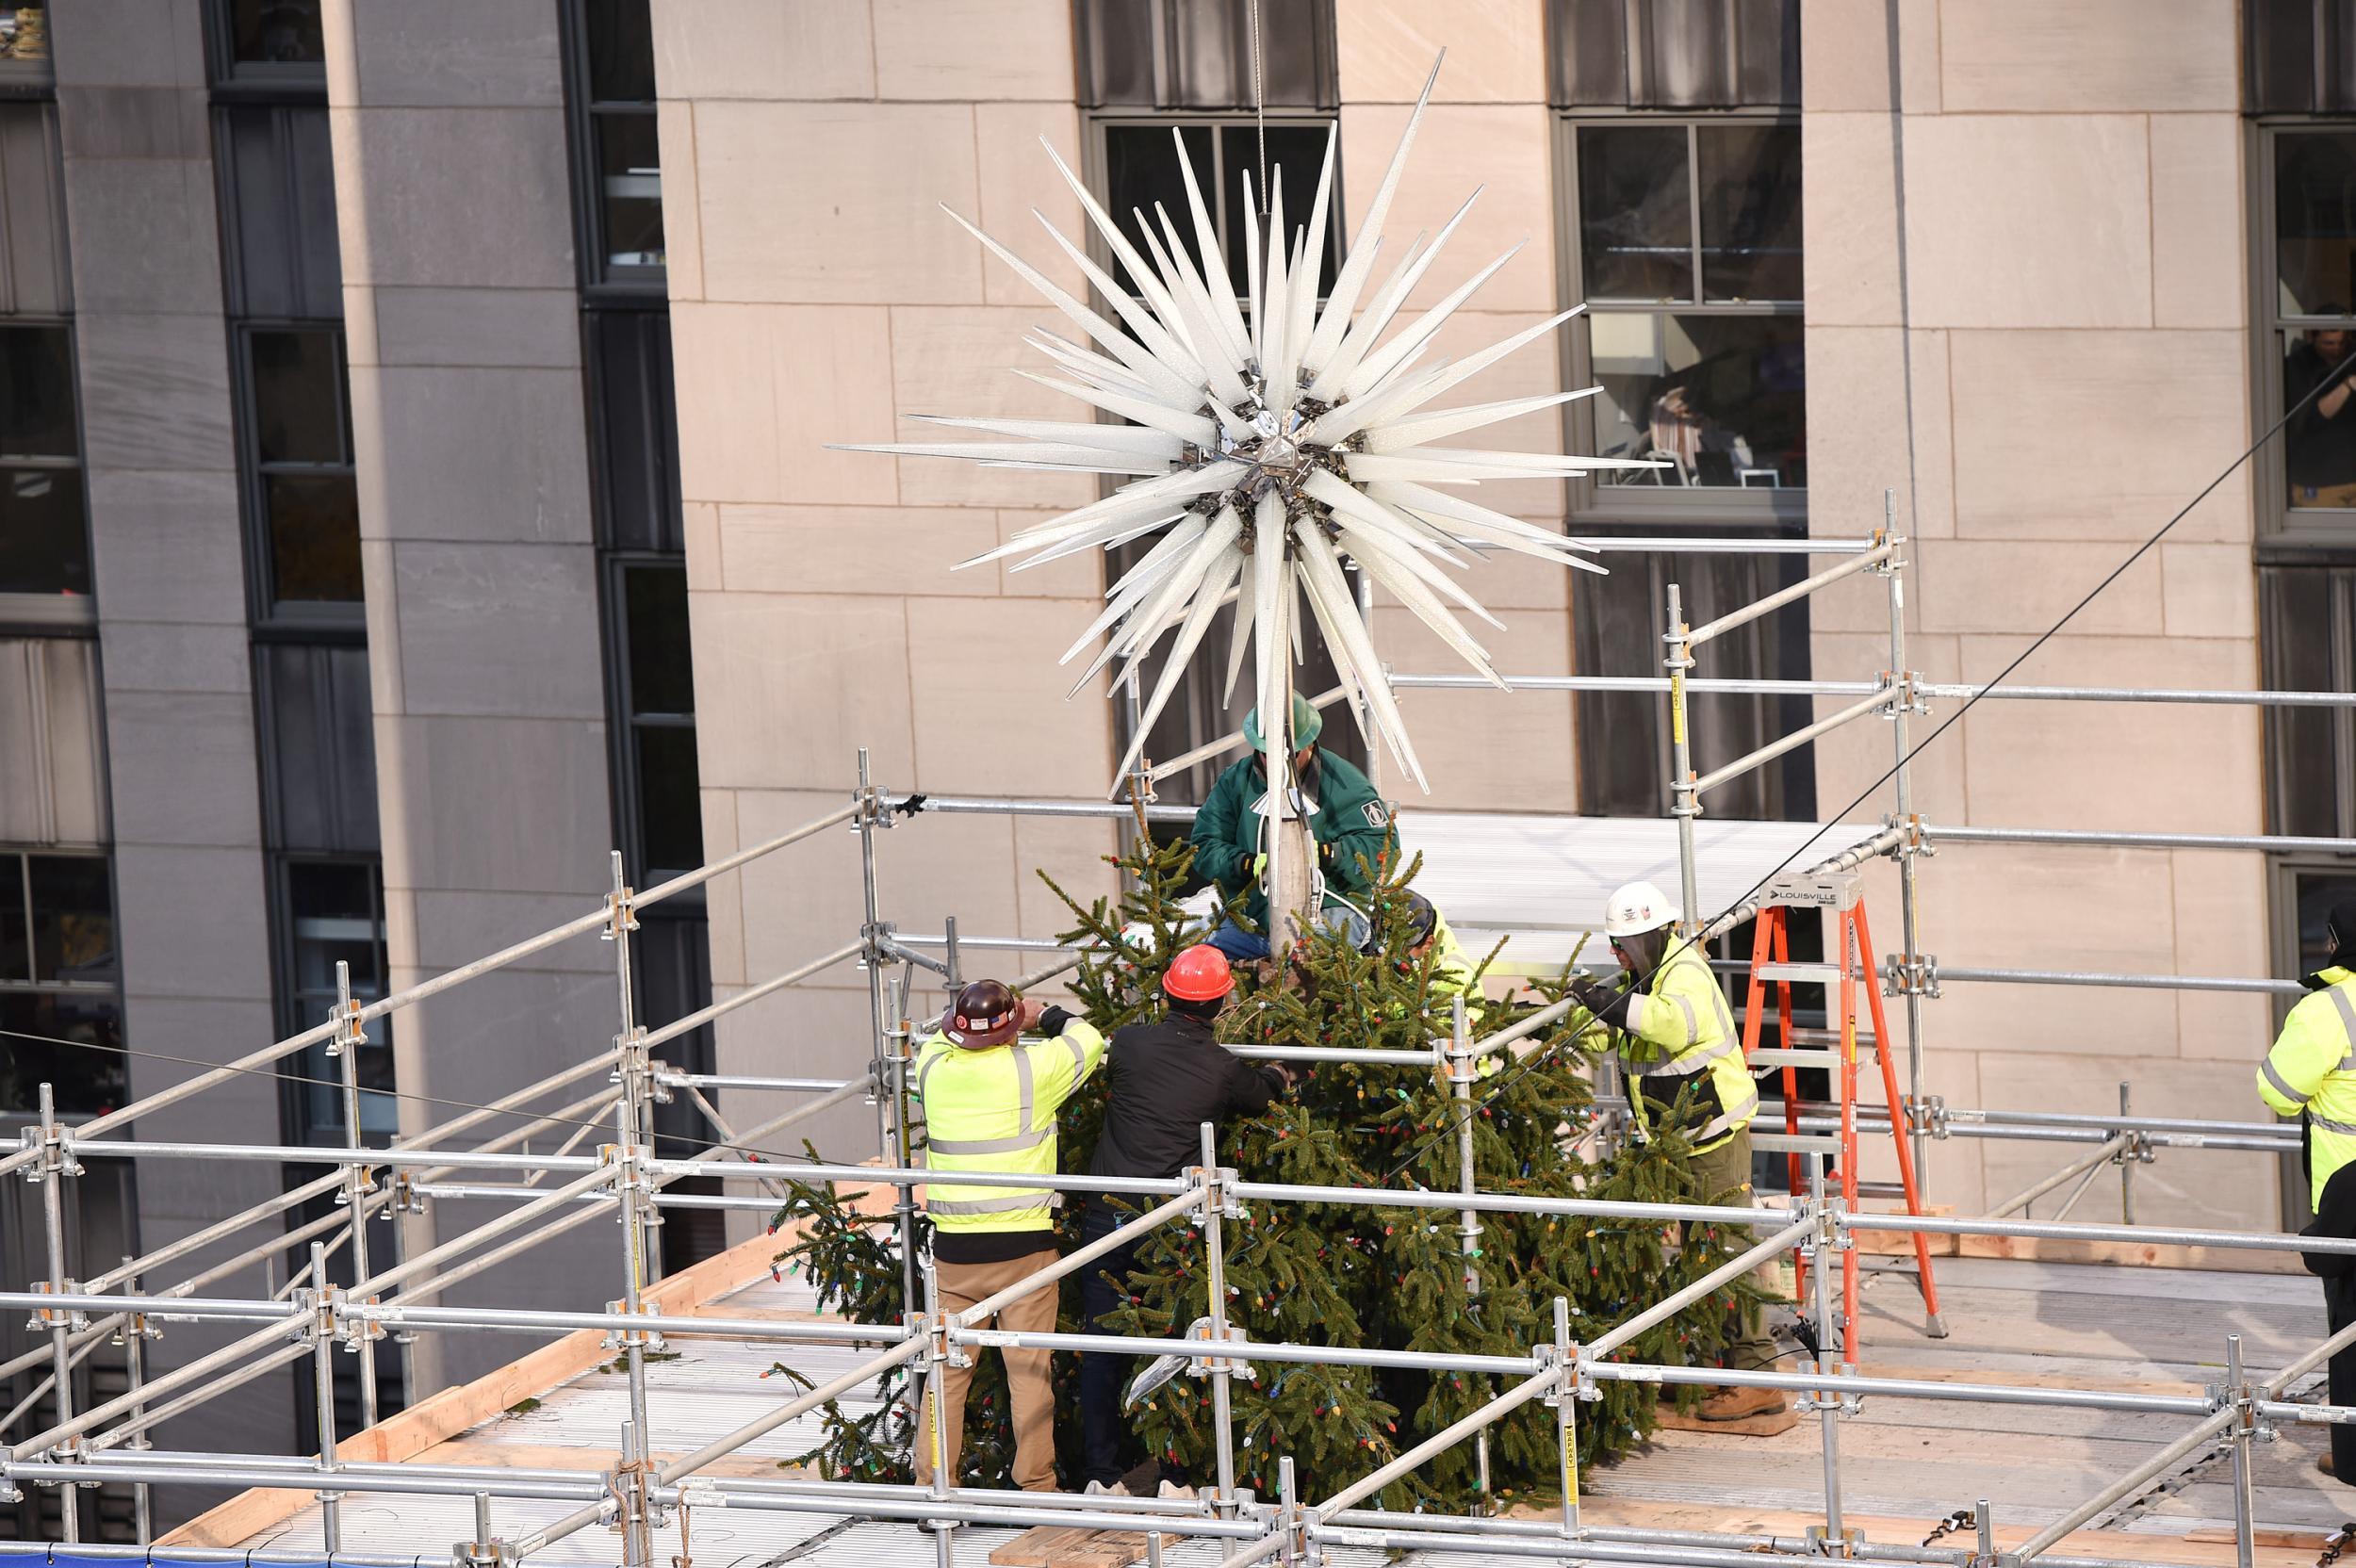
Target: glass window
<point x="2307" y="641"/>
<point x="666" y="810"/>
<point x="1689" y="259"/>
<point x="1141" y="169"/>
<point x="25" y="33"/>
<point x="1199" y="55"/>
<point x="614" y="93"/>
<point x="299" y="446"/>
<point x="2312" y="310"/>
<point x="44" y="547"/>
<point x="275" y="32"/>
<point x="60" y="1011"/>
<point x="333" y="911"/>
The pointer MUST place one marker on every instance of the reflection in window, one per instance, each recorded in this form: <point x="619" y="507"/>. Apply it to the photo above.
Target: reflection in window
<point x="58" y="998"/>
<point x="275" y="32"/>
<point x="2307" y="643"/>
<point x="2314" y="313"/>
<point x="1689" y="260"/>
<point x="334" y="913"/>
<point x="44" y="545"/>
<point x="1142" y="171"/>
<point x="1717" y="397"/>
<point x="2316" y="892"/>
<point x="25" y="33"/>
<point x="301" y="448"/>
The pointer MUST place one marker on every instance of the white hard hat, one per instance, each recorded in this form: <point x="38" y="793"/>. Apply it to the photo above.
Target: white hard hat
<point x="1636" y="909"/>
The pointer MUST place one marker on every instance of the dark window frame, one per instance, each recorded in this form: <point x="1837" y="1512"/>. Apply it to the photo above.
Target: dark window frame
<point x="1095" y="171"/>
<point x="1167" y="68"/>
<point x="2285" y="812"/>
<point x="309" y="619"/>
<point x="2285" y="532"/>
<point x="1590" y="503"/>
<point x="598" y="281"/>
<point x="628" y="789"/>
<point x="267" y="81"/>
<point x="288" y="999"/>
<point x="16" y="885"/>
<point x="23" y="610"/>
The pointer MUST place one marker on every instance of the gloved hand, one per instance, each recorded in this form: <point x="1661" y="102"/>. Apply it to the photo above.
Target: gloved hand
<point x="1053" y="1021"/>
<point x="1259" y="867"/>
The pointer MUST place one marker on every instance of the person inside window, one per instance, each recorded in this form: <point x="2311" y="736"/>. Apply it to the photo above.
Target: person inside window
<point x="2320" y="439"/>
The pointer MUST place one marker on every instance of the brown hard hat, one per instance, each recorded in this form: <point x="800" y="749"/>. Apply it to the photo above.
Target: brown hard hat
<point x="984" y="1014"/>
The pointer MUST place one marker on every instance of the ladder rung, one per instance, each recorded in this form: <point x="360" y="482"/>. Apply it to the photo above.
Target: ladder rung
<point x="1777" y="1056"/>
<point x="1881" y="1189"/>
<point x="1795" y="1143"/>
<point x="1812" y="974"/>
<point x="1801" y="1036"/>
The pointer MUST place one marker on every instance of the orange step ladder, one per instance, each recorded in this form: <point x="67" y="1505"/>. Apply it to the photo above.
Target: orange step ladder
<point x="1772" y="965"/>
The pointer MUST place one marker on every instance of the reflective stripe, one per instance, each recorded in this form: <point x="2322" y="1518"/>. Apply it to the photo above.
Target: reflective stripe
<point x="2348" y="1014"/>
<point x="926" y="1072"/>
<point x="2349" y="1128"/>
<point x="1718" y="999"/>
<point x="1726" y="1121"/>
<point x="1686" y="1066"/>
<point x="993" y="1146"/>
<point x="2281" y="1084"/>
<point x="1079" y="1059"/>
<point x="1022" y="1085"/>
<point x="1693" y="1023"/>
<point x="988" y="1205"/>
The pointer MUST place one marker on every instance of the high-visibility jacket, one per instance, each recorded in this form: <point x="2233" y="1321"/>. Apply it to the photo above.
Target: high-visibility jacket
<point x="994" y="1109"/>
<point x="1681" y="1031"/>
<point x="2313" y="1068"/>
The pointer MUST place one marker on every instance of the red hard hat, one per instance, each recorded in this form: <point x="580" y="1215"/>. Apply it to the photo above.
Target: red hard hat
<point x="985" y="1013"/>
<point x="1199" y="974"/>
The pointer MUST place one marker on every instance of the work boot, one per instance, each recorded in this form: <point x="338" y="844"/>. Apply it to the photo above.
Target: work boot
<point x="1739" y="1404"/>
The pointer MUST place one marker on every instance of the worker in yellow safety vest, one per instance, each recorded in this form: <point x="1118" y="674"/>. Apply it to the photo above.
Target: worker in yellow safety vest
<point x="2311" y="1073"/>
<point x="990" y="1099"/>
<point x="1680" y="1042"/>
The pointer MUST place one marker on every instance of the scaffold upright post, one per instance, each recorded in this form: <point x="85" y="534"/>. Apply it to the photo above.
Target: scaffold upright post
<point x="1215" y="1271"/>
<point x="901" y="1045"/>
<point x="634" y="1189"/>
<point x="1566" y="1401"/>
<point x="1827" y="1399"/>
<point x="55" y="1164"/>
<point x="1685" y="801"/>
<point x="2237" y="1394"/>
<point x="321" y="1301"/>
<point x="1910" y="846"/>
<point x="344" y="1044"/>
<point x="1458" y="1059"/>
<point x="2126" y="1155"/>
<point x="133" y="1336"/>
<point x="939" y="1350"/>
<point x="635" y="1068"/>
<point x="871" y="807"/>
<point x="1984" y="1518"/>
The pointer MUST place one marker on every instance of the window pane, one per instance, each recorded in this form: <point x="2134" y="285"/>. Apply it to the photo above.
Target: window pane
<point x="334" y="910"/>
<point x="74" y="924"/>
<point x="36" y="393"/>
<point x="621" y="50"/>
<point x="631" y="170"/>
<point x="670" y="812"/>
<point x="16" y="951"/>
<point x="298" y="397"/>
<point x="1299" y="152"/>
<point x="314" y="537"/>
<point x="2298" y="625"/>
<point x="42" y="547"/>
<point x="277" y="31"/>
<point x="2319" y="442"/>
<point x="1635" y="213"/>
<point x="661" y="671"/>
<point x="1140" y="168"/>
<point x="78" y="1050"/>
<point x="1719" y="399"/>
<point x="1750" y="188"/>
<point x="24" y="33"/>
<point x="2318" y="892"/>
<point x="2314" y="219"/>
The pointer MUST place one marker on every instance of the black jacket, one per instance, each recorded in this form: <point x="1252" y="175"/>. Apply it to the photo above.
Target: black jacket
<point x="1163" y="1082"/>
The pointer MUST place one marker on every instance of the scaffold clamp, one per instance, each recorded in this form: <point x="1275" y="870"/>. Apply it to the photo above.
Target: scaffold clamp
<point x="623" y="1338"/>
<point x="1917" y="976"/>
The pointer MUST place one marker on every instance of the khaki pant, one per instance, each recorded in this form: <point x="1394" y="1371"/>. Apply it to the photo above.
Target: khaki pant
<point x="1725" y="1176"/>
<point x="1030" y="1388"/>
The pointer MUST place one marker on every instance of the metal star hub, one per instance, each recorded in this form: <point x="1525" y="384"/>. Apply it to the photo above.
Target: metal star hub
<point x="1263" y="443"/>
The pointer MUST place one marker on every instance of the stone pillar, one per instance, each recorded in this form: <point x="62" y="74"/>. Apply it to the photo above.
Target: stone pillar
<point x="454" y="208"/>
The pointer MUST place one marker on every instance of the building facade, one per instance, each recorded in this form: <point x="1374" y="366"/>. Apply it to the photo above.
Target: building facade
<point x="420" y="480"/>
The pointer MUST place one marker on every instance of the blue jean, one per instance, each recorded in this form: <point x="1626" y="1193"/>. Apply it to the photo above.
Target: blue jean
<point x="1238" y="944"/>
<point x="1103" y="1374"/>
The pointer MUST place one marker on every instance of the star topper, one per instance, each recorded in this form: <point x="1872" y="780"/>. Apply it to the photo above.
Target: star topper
<point x="1265" y="442"/>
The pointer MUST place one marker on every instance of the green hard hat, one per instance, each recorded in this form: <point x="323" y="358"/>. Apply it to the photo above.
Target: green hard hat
<point x="1307" y="724"/>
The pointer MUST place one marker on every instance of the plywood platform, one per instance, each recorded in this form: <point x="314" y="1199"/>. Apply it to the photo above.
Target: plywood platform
<point x="1905" y="1465"/>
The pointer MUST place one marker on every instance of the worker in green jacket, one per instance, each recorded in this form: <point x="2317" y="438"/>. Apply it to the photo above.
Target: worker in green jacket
<point x="1680" y="1047"/>
<point x="1350" y="823"/>
<point x="2311" y="1073"/>
<point x="990" y="1099"/>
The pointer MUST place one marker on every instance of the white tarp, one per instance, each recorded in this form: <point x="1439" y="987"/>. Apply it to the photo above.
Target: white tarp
<point x="1541" y="880"/>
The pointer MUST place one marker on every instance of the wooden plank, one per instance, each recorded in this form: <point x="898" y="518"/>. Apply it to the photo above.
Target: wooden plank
<point x="1767" y="1425"/>
<point x="1042" y="1546"/>
<point x="1107" y="1549"/>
